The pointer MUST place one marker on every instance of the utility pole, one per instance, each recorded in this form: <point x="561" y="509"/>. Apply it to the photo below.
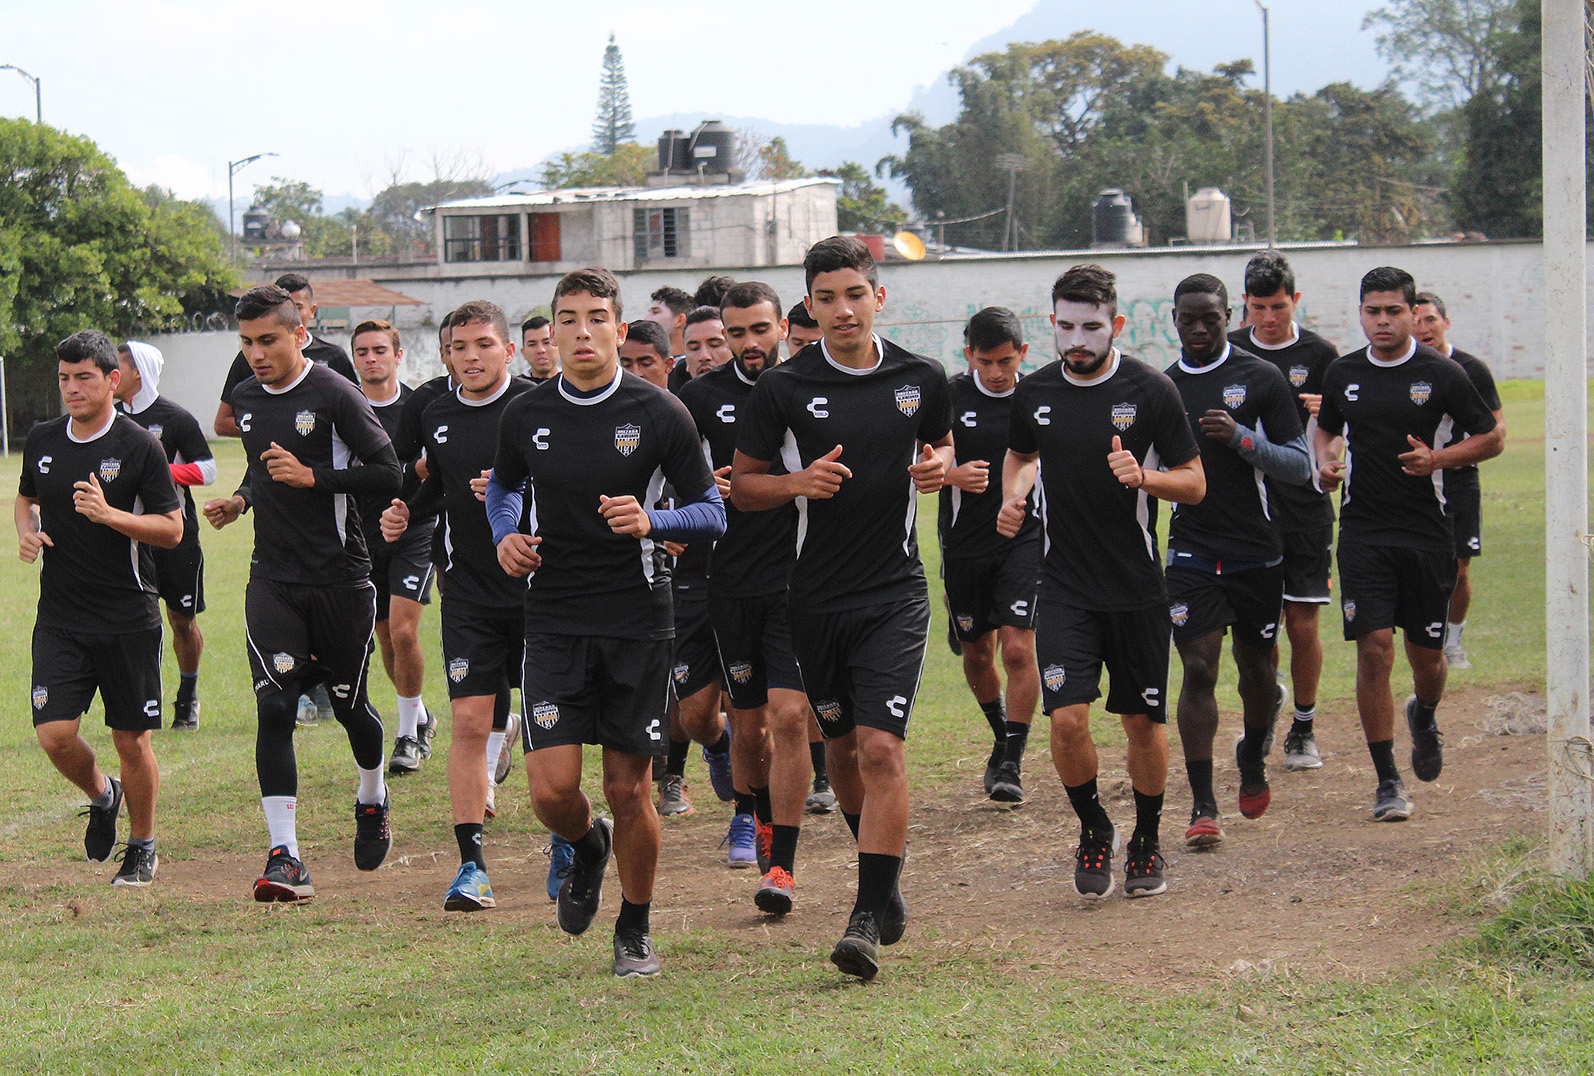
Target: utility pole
<point x="1267" y="107"/>
<point x="38" y="102"/>
<point x="233" y="168"/>
<point x="1012" y="164"/>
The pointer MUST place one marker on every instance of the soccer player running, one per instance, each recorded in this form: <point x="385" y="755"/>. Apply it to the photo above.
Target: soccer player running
<point x="483" y="610"/>
<point x="180" y="572"/>
<point x="582" y="457"/>
<point x="95" y="491"/>
<point x="858" y="424"/>
<point x="1393" y="402"/>
<point x="1225" y="558"/>
<point x="1304" y="515"/>
<point x="1463" y="494"/>
<point x="1110" y="436"/>
<point x="401" y="571"/>
<point x="536" y="346"/>
<point x="310" y="608"/>
<point x="991" y="579"/>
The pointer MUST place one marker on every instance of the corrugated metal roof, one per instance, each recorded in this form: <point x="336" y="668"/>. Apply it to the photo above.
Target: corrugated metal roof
<point x="354" y="293"/>
<point x="583" y="195"/>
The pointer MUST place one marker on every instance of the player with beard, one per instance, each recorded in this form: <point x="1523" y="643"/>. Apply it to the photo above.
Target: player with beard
<point x="536" y="346"/>
<point x="1110" y="436"/>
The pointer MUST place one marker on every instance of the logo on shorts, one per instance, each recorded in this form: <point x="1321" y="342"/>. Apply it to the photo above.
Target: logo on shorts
<point x="1233" y="396"/>
<point x="157" y="429"/>
<point x="41" y="695"/>
<point x="545" y="714"/>
<point x="908" y="399"/>
<point x="1123" y="415"/>
<point x="1350" y="610"/>
<point x="109" y="469"/>
<point x="282" y="662"/>
<point x="1420" y="391"/>
<point x="1180" y="614"/>
<point x="1298" y="376"/>
<point x="828" y="711"/>
<point x="304" y="422"/>
<point x="1054" y="677"/>
<point x="965" y="623"/>
<point x="457" y="669"/>
<point x="626" y="438"/>
<point x="681" y="672"/>
<point x="741" y="672"/>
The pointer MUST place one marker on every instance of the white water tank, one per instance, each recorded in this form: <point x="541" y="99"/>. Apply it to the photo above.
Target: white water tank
<point x="1207" y="216"/>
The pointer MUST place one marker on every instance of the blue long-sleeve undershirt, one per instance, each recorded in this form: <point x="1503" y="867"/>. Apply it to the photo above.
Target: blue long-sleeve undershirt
<point x="701" y="519"/>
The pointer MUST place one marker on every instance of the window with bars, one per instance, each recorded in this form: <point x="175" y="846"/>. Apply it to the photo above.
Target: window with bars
<point x="660" y="233"/>
<point x="494" y="238"/>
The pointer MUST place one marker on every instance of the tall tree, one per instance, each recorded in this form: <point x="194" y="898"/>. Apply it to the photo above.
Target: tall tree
<point x="613" y="125"/>
<point x="1449" y="47"/>
<point x="861" y="203"/>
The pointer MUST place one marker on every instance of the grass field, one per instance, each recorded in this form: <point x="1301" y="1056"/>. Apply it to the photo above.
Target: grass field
<point x="199" y="979"/>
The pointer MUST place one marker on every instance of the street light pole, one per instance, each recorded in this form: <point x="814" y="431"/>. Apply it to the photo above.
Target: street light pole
<point x="38" y="101"/>
<point x="1267" y="96"/>
<point x="233" y="168"/>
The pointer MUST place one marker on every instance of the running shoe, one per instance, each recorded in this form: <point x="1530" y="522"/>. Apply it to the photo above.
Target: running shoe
<point x="858" y="951"/>
<point x="1427" y="745"/>
<point x="993" y="765"/>
<point x="1204" y="832"/>
<point x="406" y="756"/>
<point x="307" y="716"/>
<point x="490" y="808"/>
<point x="764" y="843"/>
<point x="506" y="754"/>
<point x="1093" y="878"/>
<point x="138" y="866"/>
<point x="471" y="892"/>
<point x="1300" y="752"/>
<point x="559" y="855"/>
<point x="285" y="879"/>
<point x="1008" y="787"/>
<point x="372" y="838"/>
<point x="719" y="772"/>
<point x="1456" y="657"/>
<point x="672" y="797"/>
<point x="775" y="891"/>
<point x="822" y="800"/>
<point x="634" y="955"/>
<point x="741" y="842"/>
<point x="1143" y="870"/>
<point x="426" y="731"/>
<point x="99" y="837"/>
<point x="894" y="917"/>
<point x="1390" y="802"/>
<point x="185" y="715"/>
<point x="581" y="892"/>
<point x="1255" y="793"/>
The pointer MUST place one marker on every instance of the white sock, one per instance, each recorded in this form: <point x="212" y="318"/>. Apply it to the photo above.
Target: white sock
<point x="495" y="747"/>
<point x="372" y="788"/>
<point x="282" y="822"/>
<point x="1453" y="632"/>
<point x="410" y="710"/>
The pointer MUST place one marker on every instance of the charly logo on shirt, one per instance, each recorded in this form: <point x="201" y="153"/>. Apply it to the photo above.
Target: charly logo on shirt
<point x="157" y="429"/>
<point x="1298" y="376"/>
<point x="545" y="714"/>
<point x="1180" y="614"/>
<point x="1054" y="677"/>
<point x="282" y="662"/>
<point x="109" y="469"/>
<point x="908" y="399"/>
<point x="304" y="422"/>
<point x="1233" y="396"/>
<point x="1123" y="415"/>
<point x="458" y="668"/>
<point x="626" y="438"/>
<point x="1350" y="610"/>
<point x="41" y="696"/>
<point x="1420" y="392"/>
<point x="741" y="672"/>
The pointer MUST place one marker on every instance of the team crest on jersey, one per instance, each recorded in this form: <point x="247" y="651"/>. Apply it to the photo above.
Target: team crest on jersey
<point x="545" y="714"/>
<point x="681" y="672"/>
<point x="458" y="669"/>
<point x="626" y="438"/>
<point x="157" y="429"/>
<point x="741" y="672"/>
<point x="1350" y="610"/>
<point x="1233" y="396"/>
<point x="1054" y="677"/>
<point x="41" y="695"/>
<point x="828" y="711"/>
<point x="1180" y="614"/>
<point x="109" y="469"/>
<point x="908" y="399"/>
<point x="965" y="623"/>
<point x="282" y="662"/>
<point x="304" y="422"/>
<point x="1298" y="376"/>
<point x="1123" y="415"/>
<point x="1420" y="392"/>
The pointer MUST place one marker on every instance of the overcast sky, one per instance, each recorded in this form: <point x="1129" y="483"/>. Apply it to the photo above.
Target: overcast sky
<point x="344" y="89"/>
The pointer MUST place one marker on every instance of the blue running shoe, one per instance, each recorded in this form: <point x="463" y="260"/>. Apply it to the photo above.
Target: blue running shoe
<point x="471" y="892"/>
<point x="560" y="855"/>
<point x="719" y="771"/>
<point x="741" y="844"/>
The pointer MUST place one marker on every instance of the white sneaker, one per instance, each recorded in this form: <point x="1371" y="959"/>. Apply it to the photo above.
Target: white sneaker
<point x="506" y="757"/>
<point x="1456" y="657"/>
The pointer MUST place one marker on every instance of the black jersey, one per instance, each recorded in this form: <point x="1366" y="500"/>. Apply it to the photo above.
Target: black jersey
<point x="183" y="442"/>
<point x="858" y="548"/>
<point x="460" y="438"/>
<point x="1233" y="523"/>
<point x="754" y="557"/>
<point x="96" y="580"/>
<point x="1303" y="362"/>
<point x="678" y="376"/>
<point x="980" y="423"/>
<point x="1376" y="405"/>
<point x="390" y="413"/>
<point x="312" y="536"/>
<point x="568" y="449"/>
<point x="1482" y="378"/>
<point x="317" y="351"/>
<point x="1100" y="544"/>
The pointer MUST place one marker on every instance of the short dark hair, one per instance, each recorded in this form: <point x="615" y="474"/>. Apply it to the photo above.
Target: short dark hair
<point x="296" y="282"/>
<point x="677" y="300"/>
<point x="1389" y="278"/>
<point x="993" y="327"/>
<point x="598" y="283"/>
<point x="264" y="299"/>
<point x="90" y="345"/>
<point x="1203" y="284"/>
<point x="1432" y="300"/>
<point x="702" y="314"/>
<point x="750" y="294"/>
<point x="650" y="333"/>
<point x="1087" y="283"/>
<point x="1268" y="274"/>
<point x="837" y="253"/>
<point x="442" y="328"/>
<point x="375" y="325"/>
<point x="712" y="290"/>
<point x="480" y="310"/>
<point x="536" y="321"/>
<point x="799" y="316"/>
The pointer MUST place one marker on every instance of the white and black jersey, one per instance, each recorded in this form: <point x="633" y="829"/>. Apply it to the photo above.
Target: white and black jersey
<point x="858" y="548"/>
<point x="1100" y="544"/>
<point x="1234" y="522"/>
<point x="1377" y="404"/>
<point x="317" y="351"/>
<point x="460" y="439"/>
<point x="754" y="557"/>
<point x="1482" y="378"/>
<point x="390" y="413"/>
<point x="183" y="442"/>
<point x="567" y="448"/>
<point x="313" y="536"/>
<point x="980" y="424"/>
<point x="1303" y="361"/>
<point x="94" y="579"/>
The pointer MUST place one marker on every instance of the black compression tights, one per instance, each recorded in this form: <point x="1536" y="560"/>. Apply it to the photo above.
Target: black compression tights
<point x="274" y="757"/>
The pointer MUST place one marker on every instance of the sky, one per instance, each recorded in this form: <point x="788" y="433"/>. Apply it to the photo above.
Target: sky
<point x="349" y="93"/>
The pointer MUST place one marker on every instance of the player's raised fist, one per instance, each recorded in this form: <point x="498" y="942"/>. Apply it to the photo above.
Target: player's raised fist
<point x="395" y="520"/>
<point x="928" y="471"/>
<point x="1011" y="517"/>
<point x="1124" y="465"/>
<point x="823" y="477"/>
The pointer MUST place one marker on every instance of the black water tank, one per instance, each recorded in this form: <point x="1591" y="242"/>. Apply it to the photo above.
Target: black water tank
<point x="672" y="151"/>
<point x="1111" y="218"/>
<point x="713" y="147"/>
<point x="255" y="221"/>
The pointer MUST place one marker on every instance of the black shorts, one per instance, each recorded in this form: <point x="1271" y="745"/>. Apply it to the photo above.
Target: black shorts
<point x="986" y="593"/>
<point x="696" y="663"/>
<point x="299" y="635"/>
<point x="1464" y="506"/>
<point x="581" y="689"/>
<point x="1250" y="602"/>
<point x="402" y="568"/>
<point x="180" y="577"/>
<point x="68" y="667"/>
<point x="754" y="639"/>
<point x="1307" y="565"/>
<point x="862" y="666"/>
<point x="1072" y="645"/>
<point x="1393" y="587"/>
<point x="483" y="649"/>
